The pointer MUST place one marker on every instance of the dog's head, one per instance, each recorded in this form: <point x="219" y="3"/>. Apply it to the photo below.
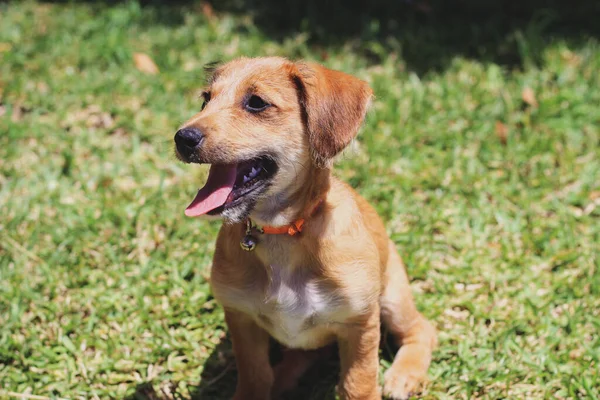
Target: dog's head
<point x="264" y="125"/>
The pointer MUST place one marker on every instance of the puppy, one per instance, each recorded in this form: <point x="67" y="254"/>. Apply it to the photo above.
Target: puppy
<point x="301" y="257"/>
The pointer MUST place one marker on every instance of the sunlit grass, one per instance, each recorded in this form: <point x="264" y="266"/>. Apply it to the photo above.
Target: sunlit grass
<point x="493" y="200"/>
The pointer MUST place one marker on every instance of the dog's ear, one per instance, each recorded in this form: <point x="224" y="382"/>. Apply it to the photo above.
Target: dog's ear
<point x="334" y="105"/>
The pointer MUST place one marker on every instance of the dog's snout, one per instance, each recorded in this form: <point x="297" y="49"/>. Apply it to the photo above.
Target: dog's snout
<point x="188" y="137"/>
<point x="187" y="141"/>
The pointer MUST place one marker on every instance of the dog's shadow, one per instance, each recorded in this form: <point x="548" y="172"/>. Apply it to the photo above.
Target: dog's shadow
<point x="218" y="378"/>
<point x="219" y="375"/>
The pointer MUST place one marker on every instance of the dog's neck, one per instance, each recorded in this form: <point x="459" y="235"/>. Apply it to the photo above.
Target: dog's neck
<point x="292" y="203"/>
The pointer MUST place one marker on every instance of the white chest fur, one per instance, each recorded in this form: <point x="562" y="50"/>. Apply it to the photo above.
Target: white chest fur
<point x="295" y="307"/>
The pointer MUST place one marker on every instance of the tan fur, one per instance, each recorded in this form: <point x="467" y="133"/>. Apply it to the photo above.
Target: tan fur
<point x="342" y="271"/>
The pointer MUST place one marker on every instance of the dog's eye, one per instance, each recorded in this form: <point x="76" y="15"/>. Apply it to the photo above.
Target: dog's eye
<point x="206" y="99"/>
<point x="256" y="104"/>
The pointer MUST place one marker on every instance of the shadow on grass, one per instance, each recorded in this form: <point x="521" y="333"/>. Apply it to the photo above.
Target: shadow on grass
<point x="426" y="34"/>
<point x="219" y="376"/>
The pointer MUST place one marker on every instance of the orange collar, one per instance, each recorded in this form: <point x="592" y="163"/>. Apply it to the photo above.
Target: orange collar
<point x="291" y="229"/>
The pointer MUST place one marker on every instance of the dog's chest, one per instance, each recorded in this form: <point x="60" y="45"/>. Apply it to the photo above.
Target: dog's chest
<point x="294" y="304"/>
<point x="295" y="308"/>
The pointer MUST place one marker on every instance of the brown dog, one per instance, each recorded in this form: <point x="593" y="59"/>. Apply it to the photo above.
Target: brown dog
<point x="301" y="256"/>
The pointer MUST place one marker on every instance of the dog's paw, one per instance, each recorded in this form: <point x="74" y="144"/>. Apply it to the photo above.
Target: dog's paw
<point x="401" y="385"/>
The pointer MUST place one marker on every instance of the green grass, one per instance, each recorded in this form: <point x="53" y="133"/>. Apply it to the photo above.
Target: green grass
<point x="103" y="282"/>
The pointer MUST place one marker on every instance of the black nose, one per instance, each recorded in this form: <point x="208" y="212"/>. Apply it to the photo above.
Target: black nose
<point x="188" y="140"/>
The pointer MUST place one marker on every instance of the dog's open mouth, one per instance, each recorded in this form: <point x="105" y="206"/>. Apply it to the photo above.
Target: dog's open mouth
<point x="228" y="184"/>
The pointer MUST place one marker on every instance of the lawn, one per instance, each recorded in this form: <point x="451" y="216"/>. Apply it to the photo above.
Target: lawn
<point x="482" y="153"/>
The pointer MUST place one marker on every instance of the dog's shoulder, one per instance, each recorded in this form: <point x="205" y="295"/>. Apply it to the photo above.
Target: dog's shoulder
<point x="362" y="217"/>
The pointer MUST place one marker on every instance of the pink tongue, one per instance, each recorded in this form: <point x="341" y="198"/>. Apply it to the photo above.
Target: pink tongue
<point x="215" y="192"/>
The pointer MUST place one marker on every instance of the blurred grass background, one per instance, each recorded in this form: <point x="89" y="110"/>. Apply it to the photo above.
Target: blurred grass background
<point x="481" y="152"/>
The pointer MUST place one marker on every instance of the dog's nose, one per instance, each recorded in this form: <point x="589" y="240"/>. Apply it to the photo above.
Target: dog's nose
<point x="187" y="141"/>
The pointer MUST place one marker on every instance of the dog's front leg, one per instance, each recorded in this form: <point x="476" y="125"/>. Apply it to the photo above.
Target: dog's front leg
<point x="359" y="355"/>
<point x="251" y="350"/>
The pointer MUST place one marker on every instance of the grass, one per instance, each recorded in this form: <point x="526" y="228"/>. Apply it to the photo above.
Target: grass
<point x="493" y="200"/>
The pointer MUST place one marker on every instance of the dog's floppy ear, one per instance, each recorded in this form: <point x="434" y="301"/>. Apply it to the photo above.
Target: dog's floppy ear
<point x="334" y="105"/>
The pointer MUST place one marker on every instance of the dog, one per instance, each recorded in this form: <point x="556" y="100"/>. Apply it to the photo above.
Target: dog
<point x="300" y="257"/>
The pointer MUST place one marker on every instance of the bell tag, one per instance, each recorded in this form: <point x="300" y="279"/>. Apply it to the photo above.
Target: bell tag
<point x="248" y="242"/>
